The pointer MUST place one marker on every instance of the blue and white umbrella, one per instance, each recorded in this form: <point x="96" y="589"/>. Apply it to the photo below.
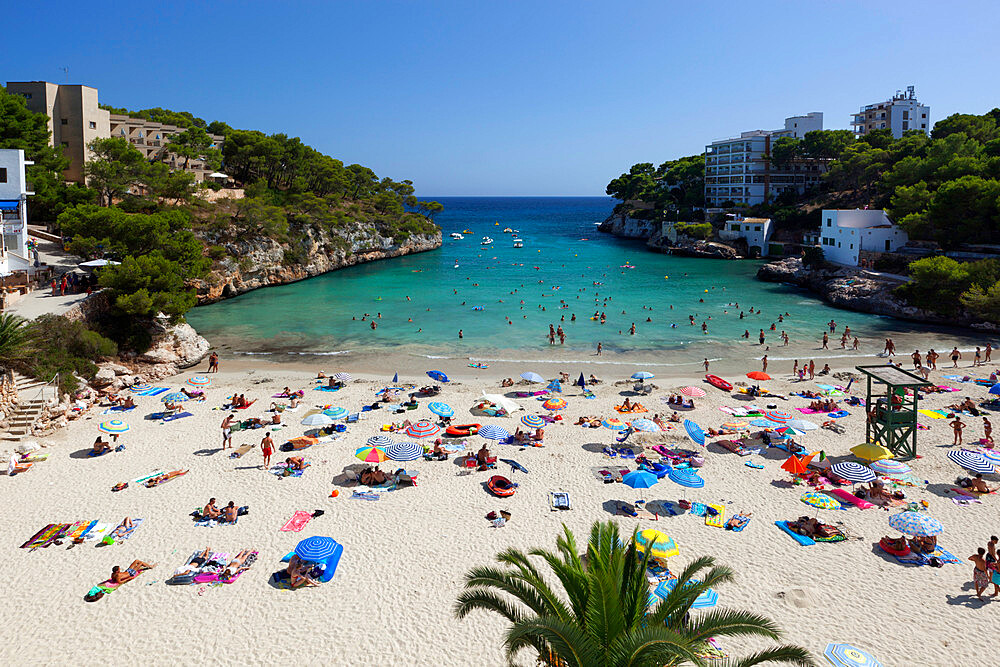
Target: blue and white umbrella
<point x="647" y="425"/>
<point x="175" y="397"/>
<point x="317" y="419"/>
<point x="765" y="423"/>
<point x="686" y="477"/>
<point x="853" y="472"/>
<point x="335" y="412"/>
<point x="995" y="389"/>
<point x="404" y="451"/>
<point x="708" y="598"/>
<point x="343" y="377"/>
<point x="437" y="375"/>
<point x="973" y="461"/>
<point x="643" y="375"/>
<point x="917" y="524"/>
<point x="491" y="432"/>
<point x="845" y="655"/>
<point x="440" y="409"/>
<point x="316" y="549"/>
<point x="694" y="432"/>
<point x="379" y="441"/>
<point x="802" y="425"/>
<point x="532" y="377"/>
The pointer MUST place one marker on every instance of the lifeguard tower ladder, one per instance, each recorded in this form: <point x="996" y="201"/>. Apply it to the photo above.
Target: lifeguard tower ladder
<point x="892" y="414"/>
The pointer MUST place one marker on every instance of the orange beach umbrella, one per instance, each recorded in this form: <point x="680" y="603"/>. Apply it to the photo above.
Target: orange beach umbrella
<point x="758" y="375"/>
<point x="794" y="465"/>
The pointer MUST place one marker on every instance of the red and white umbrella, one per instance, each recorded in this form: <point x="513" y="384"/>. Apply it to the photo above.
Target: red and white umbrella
<point x="693" y="392"/>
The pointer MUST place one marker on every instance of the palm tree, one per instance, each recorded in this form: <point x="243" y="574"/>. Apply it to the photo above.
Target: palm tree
<point x="14" y="338"/>
<point x="601" y="617"/>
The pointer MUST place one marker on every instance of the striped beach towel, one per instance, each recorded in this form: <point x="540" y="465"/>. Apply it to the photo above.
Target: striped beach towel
<point x="127" y="532"/>
<point x="42" y="537"/>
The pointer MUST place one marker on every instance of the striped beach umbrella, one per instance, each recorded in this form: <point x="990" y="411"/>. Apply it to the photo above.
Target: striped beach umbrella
<point x="659" y="545"/>
<point x="853" y="472"/>
<point x="973" y="461"/>
<point x="315" y="549"/>
<point x="199" y="381"/>
<point x="917" y="524"/>
<point x="820" y="500"/>
<point x="370" y="454"/>
<point x="440" y="409"/>
<point x="614" y="424"/>
<point x="889" y="467"/>
<point x="145" y="386"/>
<point x="845" y="655"/>
<point x="555" y="404"/>
<point x="693" y="392"/>
<point x="404" y="451"/>
<point x="317" y="419"/>
<point x="174" y="397"/>
<point x="802" y="425"/>
<point x="335" y="412"/>
<point x="646" y="425"/>
<point x="113" y="427"/>
<point x="686" y="477"/>
<point x="379" y="441"/>
<point x="694" y="432"/>
<point x="778" y="416"/>
<point x="532" y="377"/>
<point x="422" y="429"/>
<point x="991" y="455"/>
<point x="736" y="425"/>
<point x="764" y="423"/>
<point x="708" y="598"/>
<point x="491" y="432"/>
<point x="343" y="377"/>
<point x="642" y="375"/>
<point x="533" y="421"/>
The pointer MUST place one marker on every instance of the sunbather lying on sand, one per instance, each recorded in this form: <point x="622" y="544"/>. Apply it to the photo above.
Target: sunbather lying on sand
<point x="720" y="431"/>
<point x="826" y="405"/>
<point x="121" y="529"/>
<point x="508" y="382"/>
<point x="967" y="406"/>
<point x="236" y="565"/>
<point x="737" y="520"/>
<point x="196" y="394"/>
<point x="811" y="527"/>
<point x="130" y="573"/>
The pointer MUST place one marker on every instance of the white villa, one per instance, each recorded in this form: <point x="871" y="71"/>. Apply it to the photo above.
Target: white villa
<point x="14" y="211"/>
<point x="755" y="231"/>
<point x="845" y="233"/>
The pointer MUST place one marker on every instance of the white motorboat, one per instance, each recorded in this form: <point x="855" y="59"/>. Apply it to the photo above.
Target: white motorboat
<point x="518" y="243"/>
<point x="487" y="241"/>
<point x="457" y="236"/>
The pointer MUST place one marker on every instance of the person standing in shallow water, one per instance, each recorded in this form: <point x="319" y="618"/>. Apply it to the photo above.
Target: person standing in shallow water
<point x="599" y="348"/>
<point x="213" y="363"/>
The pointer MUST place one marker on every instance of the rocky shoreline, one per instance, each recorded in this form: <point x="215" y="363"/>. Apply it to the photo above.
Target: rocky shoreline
<point x="621" y="225"/>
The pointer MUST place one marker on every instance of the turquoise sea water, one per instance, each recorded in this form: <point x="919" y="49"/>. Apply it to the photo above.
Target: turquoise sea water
<point x="566" y="267"/>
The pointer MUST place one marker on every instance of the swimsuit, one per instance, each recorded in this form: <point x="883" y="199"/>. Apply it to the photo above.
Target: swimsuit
<point x="132" y="572"/>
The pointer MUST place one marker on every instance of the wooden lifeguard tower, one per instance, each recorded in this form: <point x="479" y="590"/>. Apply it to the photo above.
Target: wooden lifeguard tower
<point x="892" y="413"/>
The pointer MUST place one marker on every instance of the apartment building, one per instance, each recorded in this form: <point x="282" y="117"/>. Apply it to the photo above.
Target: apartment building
<point x="150" y="138"/>
<point x="739" y="170"/>
<point x="900" y="114"/>
<point x="14" y="211"/>
<point x="75" y="119"/>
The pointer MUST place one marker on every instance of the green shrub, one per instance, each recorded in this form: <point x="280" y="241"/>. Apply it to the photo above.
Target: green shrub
<point x="66" y="347"/>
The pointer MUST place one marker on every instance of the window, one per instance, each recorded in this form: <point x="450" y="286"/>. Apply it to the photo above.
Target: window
<point x="756" y="228"/>
<point x="906" y="125"/>
<point x="829" y="222"/>
<point x="906" y="115"/>
<point x="923" y="115"/>
<point x="140" y="134"/>
<point x="852" y="246"/>
<point x="838" y="244"/>
<point x="65" y="144"/>
<point x="3" y="174"/>
<point x="27" y="96"/>
<point x="64" y="121"/>
<point x="93" y="125"/>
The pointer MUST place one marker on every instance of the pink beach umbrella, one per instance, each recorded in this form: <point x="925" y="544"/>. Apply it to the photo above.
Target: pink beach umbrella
<point x="693" y="392"/>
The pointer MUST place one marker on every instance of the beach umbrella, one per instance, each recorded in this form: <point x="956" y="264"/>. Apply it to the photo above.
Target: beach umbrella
<point x="422" y="429"/>
<point x="395" y="378"/>
<point x="820" y="500"/>
<point x="708" y="598"/>
<point x="643" y="375"/>
<point x="686" y="477"/>
<point x="113" y="427"/>
<point x="317" y="419"/>
<point x="532" y="377"/>
<point x="845" y="655"/>
<point x="199" y="381"/>
<point x="404" y="451"/>
<point x="794" y="465"/>
<point x="869" y="451"/>
<point x="758" y="375"/>
<point x="991" y="455"/>
<point x="554" y="404"/>
<point x="437" y="375"/>
<point x="145" y="386"/>
<point x="764" y="423"/>
<point x="853" y="472"/>
<point x="491" y="432"/>
<point x="646" y="425"/>
<point x="788" y="431"/>
<point x="335" y="412"/>
<point x="889" y="467"/>
<point x="917" y="524"/>
<point x="995" y="389"/>
<point x="440" y="409"/>
<point x="379" y="441"/>
<point x="614" y="424"/>
<point x="694" y="432"/>
<point x="514" y="465"/>
<point x="174" y="397"/>
<point x="316" y="549"/>
<point x="533" y="421"/>
<point x="659" y="545"/>
<point x="639" y="479"/>
<point x="973" y="461"/>
<point x="693" y="392"/>
<point x="343" y="377"/>
<point x="581" y="382"/>
<point x="778" y="416"/>
<point x="802" y="425"/>
<point x="370" y="454"/>
<point x="736" y="425"/>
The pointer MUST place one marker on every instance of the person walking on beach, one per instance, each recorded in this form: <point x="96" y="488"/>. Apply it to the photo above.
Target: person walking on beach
<point x="826" y="341"/>
<point x="267" y="448"/>
<point x="932" y="358"/>
<point x="227" y="431"/>
<point x="955" y="356"/>
<point x="978" y="360"/>
<point x="761" y="337"/>
<point x="989" y="352"/>
<point x="856" y="342"/>
<point x="213" y="363"/>
<point x="763" y="362"/>
<point x="957" y="427"/>
<point x="916" y="358"/>
<point x="795" y="368"/>
<point x="980" y="573"/>
<point x="987" y="430"/>
<point x="890" y="348"/>
<point x="599" y="348"/>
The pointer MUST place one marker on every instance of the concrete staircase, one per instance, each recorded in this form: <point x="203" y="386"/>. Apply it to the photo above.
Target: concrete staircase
<point x="33" y="396"/>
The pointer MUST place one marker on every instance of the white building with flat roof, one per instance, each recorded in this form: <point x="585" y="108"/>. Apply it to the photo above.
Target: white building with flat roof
<point x="900" y="114"/>
<point x="844" y="233"/>
<point x="14" y="211"/>
<point x="740" y="170"/>
<point x="755" y="231"/>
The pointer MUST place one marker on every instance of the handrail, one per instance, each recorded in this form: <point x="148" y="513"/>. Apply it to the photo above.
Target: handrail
<point x="41" y="390"/>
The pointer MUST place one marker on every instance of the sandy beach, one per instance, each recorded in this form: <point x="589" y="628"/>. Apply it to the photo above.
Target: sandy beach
<point x="404" y="556"/>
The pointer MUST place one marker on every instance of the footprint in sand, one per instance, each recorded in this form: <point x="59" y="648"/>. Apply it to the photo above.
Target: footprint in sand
<point x="797" y="597"/>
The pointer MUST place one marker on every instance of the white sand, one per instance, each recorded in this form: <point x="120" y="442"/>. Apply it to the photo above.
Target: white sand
<point x="404" y="556"/>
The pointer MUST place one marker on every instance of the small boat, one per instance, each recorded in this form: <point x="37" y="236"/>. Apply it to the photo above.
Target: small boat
<point x="457" y="236"/>
<point x="501" y="486"/>
<point x="716" y="381"/>
<point x="459" y="430"/>
<point x="507" y="230"/>
<point x="456" y="265"/>
<point x="487" y="241"/>
<point x="518" y="243"/>
<point x="466" y="231"/>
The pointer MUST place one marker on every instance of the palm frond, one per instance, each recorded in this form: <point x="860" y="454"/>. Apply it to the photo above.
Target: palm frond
<point x="733" y="623"/>
<point x="566" y="640"/>
<point x="655" y="645"/>
<point x="486" y="600"/>
<point x="793" y="655"/>
<point x="510" y="583"/>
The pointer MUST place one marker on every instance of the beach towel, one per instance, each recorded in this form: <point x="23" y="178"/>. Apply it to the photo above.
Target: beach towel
<point x="364" y="495"/>
<point x="719" y="520"/>
<point x="558" y="500"/>
<point x="751" y="464"/>
<point x="931" y="413"/>
<point x="80" y="529"/>
<point x="43" y="536"/>
<point x="241" y="450"/>
<point x="297" y="522"/>
<point x="127" y="532"/>
<point x="116" y="409"/>
<point x="808" y="411"/>
<point x="146" y="477"/>
<point x="155" y="391"/>
<point x="97" y="532"/>
<point x="740" y="522"/>
<point x="327" y="388"/>
<point x="801" y="539"/>
<point x="179" y="415"/>
<point x="698" y="509"/>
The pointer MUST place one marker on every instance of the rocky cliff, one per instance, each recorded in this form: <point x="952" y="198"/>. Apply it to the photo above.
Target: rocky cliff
<point x="619" y="224"/>
<point x="857" y="289"/>
<point x="261" y="262"/>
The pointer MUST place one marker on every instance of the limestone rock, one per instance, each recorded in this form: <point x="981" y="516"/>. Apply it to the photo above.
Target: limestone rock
<point x="178" y="345"/>
<point x="103" y="377"/>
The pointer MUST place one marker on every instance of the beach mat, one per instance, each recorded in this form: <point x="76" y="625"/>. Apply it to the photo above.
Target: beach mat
<point x="179" y="415"/>
<point x="933" y="414"/>
<point x="719" y="520"/>
<point x="297" y="522"/>
<point x="241" y="450"/>
<point x="43" y="536"/>
<point x="809" y="411"/>
<point x="128" y="531"/>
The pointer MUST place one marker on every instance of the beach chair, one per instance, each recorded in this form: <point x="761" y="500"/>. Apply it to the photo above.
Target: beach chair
<point x="353" y="417"/>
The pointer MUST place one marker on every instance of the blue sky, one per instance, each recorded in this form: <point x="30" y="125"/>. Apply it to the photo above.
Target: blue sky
<point x="510" y="98"/>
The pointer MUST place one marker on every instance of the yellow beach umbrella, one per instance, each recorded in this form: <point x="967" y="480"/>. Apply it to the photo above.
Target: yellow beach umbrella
<point x="664" y="545"/>
<point x="869" y="451"/>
